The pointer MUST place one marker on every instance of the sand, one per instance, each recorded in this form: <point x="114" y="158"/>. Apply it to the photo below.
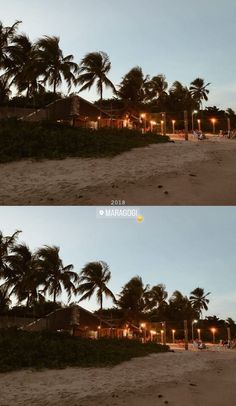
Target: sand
<point x="181" y="173"/>
<point x="181" y="378"/>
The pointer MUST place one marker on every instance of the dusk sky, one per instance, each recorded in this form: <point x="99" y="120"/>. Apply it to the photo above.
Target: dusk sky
<point x="181" y="247"/>
<point x="182" y="39"/>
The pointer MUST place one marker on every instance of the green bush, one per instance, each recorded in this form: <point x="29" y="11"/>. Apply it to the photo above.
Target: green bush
<point x="20" y="349"/>
<point x="22" y="140"/>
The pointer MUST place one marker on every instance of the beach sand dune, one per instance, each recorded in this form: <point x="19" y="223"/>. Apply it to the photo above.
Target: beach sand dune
<point x="181" y="378"/>
<point x="184" y="173"/>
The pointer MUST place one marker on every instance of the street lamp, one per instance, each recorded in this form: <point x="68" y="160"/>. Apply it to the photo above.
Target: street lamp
<point x="173" y="126"/>
<point x="153" y="123"/>
<point x="162" y="337"/>
<point x="144" y="118"/>
<point x="173" y="336"/>
<point x="162" y="127"/>
<point x="213" y="120"/>
<point x="143" y="327"/>
<point x="193" y="112"/>
<point x="199" y="124"/>
<point x="213" y="330"/>
<point x="199" y="334"/>
<point x="193" y="322"/>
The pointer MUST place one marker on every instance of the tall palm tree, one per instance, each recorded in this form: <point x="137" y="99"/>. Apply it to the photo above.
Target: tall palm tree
<point x="156" y="297"/>
<point x="55" y="65"/>
<point x="94" y="278"/>
<point x="156" y="88"/>
<point x="5" y="91"/>
<point x="7" y="243"/>
<point x="22" y="276"/>
<point x="199" y="91"/>
<point x="180" y="98"/>
<point x="55" y="276"/>
<point x="94" y="69"/>
<point x="133" y="85"/>
<point x="132" y="298"/>
<point x="6" y="36"/>
<point x="5" y="300"/>
<point x="23" y="65"/>
<point x="198" y="299"/>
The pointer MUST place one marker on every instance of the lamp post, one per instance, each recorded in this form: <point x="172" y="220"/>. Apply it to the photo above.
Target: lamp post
<point x="162" y="127"/>
<point x="173" y="126"/>
<point x="199" y="334"/>
<point x="162" y="337"/>
<point x="143" y="326"/>
<point x="193" y="322"/>
<point x="199" y="124"/>
<point x="213" y="330"/>
<point x="153" y="123"/>
<point x="144" y="118"/>
<point x="173" y="336"/>
<point x="193" y="112"/>
<point x="213" y="120"/>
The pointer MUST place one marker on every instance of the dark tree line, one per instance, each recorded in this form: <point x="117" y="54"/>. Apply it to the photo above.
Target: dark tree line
<point x="36" y="70"/>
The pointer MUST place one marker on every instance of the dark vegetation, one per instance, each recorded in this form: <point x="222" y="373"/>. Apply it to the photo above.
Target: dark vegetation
<point x="21" y="350"/>
<point x="21" y="140"/>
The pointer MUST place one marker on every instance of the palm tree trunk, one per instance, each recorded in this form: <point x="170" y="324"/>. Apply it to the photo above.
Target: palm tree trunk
<point x="101" y="99"/>
<point x="54" y="296"/>
<point x="100" y="312"/>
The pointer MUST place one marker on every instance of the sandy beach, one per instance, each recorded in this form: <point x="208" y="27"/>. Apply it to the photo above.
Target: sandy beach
<point x="180" y="173"/>
<point x="181" y="378"/>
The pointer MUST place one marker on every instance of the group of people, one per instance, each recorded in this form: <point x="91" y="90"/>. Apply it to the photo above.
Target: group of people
<point x="199" y="345"/>
<point x="228" y="134"/>
<point x="199" y="135"/>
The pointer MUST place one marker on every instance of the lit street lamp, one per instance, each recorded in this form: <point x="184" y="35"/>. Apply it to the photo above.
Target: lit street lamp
<point x="162" y="337"/>
<point x="194" y="112"/>
<point x="143" y="327"/>
<point x="162" y="127"/>
<point x="193" y="322"/>
<point x="199" y="334"/>
<point x="153" y="123"/>
<point x="213" y="120"/>
<point x="173" y="126"/>
<point x="199" y="124"/>
<point x="144" y="118"/>
<point x="213" y="330"/>
<point x="173" y="336"/>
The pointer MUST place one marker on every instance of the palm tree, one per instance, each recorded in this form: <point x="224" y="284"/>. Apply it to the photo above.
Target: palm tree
<point x="180" y="98"/>
<point x="156" y="297"/>
<point x="55" y="275"/>
<point x="5" y="91"/>
<point x="94" y="69"/>
<point x="5" y="300"/>
<point x="199" y="300"/>
<point x="23" y="65"/>
<point x="7" y="243"/>
<point x="132" y="298"/>
<point x="132" y="87"/>
<point x="156" y="88"/>
<point x="199" y="91"/>
<point x="94" y="278"/>
<point x="6" y="36"/>
<point x="55" y="65"/>
<point x="22" y="275"/>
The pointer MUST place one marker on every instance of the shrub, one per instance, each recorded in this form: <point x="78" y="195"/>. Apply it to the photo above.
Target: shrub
<point x="20" y="349"/>
<point x="22" y="140"/>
